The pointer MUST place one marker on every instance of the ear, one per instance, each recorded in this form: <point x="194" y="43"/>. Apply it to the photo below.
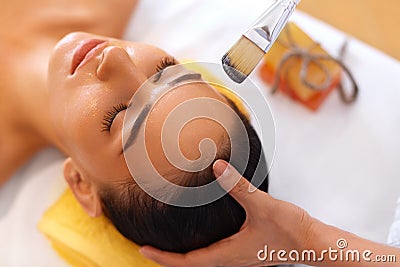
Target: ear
<point x="83" y="189"/>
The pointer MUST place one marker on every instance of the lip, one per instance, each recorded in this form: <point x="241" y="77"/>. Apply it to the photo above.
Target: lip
<point x="84" y="52"/>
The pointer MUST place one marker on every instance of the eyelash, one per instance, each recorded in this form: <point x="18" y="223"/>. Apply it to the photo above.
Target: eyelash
<point x="166" y="62"/>
<point x="110" y="116"/>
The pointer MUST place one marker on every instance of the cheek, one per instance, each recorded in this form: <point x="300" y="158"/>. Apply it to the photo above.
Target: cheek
<point x="100" y="163"/>
<point x="88" y="145"/>
<point x="84" y="119"/>
<point x="76" y="117"/>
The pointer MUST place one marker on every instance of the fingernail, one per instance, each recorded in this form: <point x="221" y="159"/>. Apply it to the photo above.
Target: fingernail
<point x="219" y="167"/>
<point x="141" y="251"/>
<point x="144" y="252"/>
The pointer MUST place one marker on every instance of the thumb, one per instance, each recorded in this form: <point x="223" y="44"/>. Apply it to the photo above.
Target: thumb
<point x="239" y="187"/>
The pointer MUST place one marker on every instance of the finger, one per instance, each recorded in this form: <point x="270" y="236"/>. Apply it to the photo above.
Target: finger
<point x="239" y="187"/>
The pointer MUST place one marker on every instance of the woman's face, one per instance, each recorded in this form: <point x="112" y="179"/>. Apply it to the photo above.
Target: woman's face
<point x="91" y="81"/>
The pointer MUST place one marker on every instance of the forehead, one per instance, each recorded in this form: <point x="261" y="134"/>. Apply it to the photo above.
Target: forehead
<point x="185" y="93"/>
<point x="186" y="133"/>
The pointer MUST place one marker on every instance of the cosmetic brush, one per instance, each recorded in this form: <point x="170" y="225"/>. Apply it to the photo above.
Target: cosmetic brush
<point x="248" y="51"/>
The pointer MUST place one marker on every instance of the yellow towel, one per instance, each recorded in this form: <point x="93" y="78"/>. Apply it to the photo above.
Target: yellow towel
<point x="84" y="241"/>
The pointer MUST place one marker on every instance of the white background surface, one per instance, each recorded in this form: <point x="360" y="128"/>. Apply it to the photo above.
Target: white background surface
<point x="340" y="164"/>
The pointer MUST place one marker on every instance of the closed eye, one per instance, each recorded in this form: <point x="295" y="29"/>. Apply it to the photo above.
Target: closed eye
<point x="164" y="63"/>
<point x="110" y="116"/>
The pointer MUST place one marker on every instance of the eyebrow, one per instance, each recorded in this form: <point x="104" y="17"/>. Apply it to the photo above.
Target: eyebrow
<point x="186" y="77"/>
<point x="145" y="111"/>
<point x="136" y="126"/>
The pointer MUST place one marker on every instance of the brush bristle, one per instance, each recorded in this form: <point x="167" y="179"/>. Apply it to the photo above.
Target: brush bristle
<point x="241" y="59"/>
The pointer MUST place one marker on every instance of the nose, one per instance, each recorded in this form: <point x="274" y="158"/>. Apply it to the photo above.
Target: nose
<point x="118" y="69"/>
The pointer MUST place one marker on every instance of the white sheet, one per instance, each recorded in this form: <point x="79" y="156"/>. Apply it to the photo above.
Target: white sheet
<point x="340" y="164"/>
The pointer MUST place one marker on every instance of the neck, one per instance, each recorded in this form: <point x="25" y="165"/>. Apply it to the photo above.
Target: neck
<point x="28" y="95"/>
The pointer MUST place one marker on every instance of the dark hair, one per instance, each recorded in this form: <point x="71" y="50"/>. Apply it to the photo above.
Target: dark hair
<point x="147" y="221"/>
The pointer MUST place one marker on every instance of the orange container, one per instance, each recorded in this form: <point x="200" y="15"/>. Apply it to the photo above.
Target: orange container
<point x="290" y="81"/>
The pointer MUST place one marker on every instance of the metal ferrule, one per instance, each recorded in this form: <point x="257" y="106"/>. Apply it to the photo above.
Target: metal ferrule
<point x="268" y="26"/>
